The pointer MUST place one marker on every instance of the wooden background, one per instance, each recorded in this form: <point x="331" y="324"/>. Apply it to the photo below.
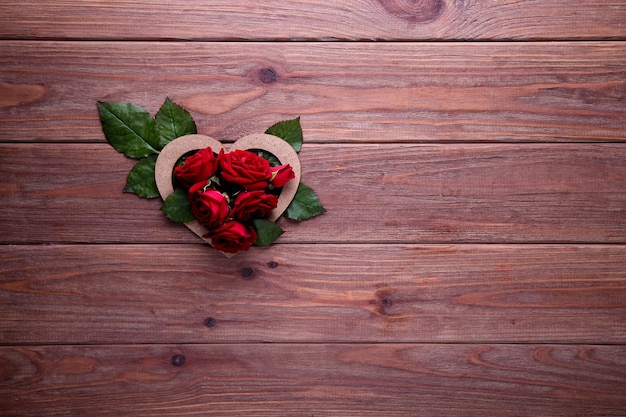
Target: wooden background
<point x="471" y="155"/>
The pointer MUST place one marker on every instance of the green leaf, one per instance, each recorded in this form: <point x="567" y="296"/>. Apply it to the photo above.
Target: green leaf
<point x="141" y="179"/>
<point x="177" y="208"/>
<point x="129" y="129"/>
<point x="173" y="122"/>
<point x="267" y="231"/>
<point x="304" y="205"/>
<point x="267" y="155"/>
<point x="290" y="131"/>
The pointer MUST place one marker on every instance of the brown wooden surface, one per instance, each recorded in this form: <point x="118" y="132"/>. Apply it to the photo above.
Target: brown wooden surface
<point x="328" y="293"/>
<point x="472" y="261"/>
<point x="391" y="193"/>
<point x="304" y="380"/>
<point x="313" y="19"/>
<point x="345" y="92"/>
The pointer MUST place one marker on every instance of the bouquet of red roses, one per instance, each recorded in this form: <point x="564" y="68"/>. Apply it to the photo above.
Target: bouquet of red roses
<point x="229" y="191"/>
<point x="228" y="198"/>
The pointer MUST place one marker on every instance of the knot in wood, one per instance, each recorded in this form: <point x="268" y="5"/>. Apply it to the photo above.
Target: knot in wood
<point x="267" y="75"/>
<point x="414" y="11"/>
<point x="247" y="272"/>
<point x="178" y="360"/>
<point x="210" y="322"/>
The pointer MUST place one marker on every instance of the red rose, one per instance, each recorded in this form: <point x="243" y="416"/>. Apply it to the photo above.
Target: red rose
<point x="246" y="169"/>
<point x="208" y="206"/>
<point x="232" y="237"/>
<point x="253" y="205"/>
<point x="197" y="168"/>
<point x="281" y="175"/>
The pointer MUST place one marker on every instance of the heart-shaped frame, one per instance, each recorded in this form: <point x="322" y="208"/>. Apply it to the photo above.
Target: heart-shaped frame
<point x="180" y="146"/>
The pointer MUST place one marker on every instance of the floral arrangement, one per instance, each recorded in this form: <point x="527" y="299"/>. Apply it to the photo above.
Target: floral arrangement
<point x="231" y="199"/>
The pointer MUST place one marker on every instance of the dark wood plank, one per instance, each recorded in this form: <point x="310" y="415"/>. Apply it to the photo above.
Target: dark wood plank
<point x="314" y="20"/>
<point x="346" y="92"/>
<point x="294" y="293"/>
<point x="314" y="380"/>
<point x="373" y="193"/>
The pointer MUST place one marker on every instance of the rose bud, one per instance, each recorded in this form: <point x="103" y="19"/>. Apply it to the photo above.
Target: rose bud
<point x="208" y="206"/>
<point x="232" y="237"/>
<point x="197" y="168"/>
<point x="281" y="175"/>
<point x="246" y="169"/>
<point x="253" y="205"/>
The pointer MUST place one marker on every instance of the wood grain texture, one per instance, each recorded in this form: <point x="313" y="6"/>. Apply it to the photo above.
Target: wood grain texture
<point x="55" y="193"/>
<point x="329" y="293"/>
<point x="346" y="92"/>
<point x="319" y="380"/>
<point x="313" y="19"/>
<point x="472" y="261"/>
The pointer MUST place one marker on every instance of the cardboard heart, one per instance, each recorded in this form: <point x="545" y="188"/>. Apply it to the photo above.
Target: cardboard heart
<point x="178" y="147"/>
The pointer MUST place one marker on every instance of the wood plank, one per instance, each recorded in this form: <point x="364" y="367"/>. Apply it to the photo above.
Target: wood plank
<point x="313" y="20"/>
<point x="346" y="92"/>
<point x="329" y="293"/>
<point x="55" y="193"/>
<point x="314" y="380"/>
